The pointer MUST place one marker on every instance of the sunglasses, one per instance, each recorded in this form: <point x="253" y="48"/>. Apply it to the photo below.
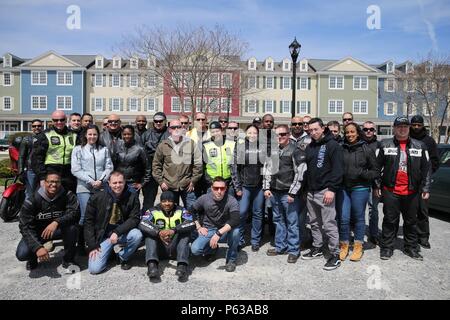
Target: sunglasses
<point x="348" y="119"/>
<point x="175" y="127"/>
<point x="105" y="124"/>
<point x="305" y="123"/>
<point x="53" y="182"/>
<point x="36" y="126"/>
<point x="219" y="188"/>
<point x="184" y="122"/>
<point x="282" y="134"/>
<point x="368" y="129"/>
<point x="113" y="121"/>
<point x="158" y="121"/>
<point x="59" y="120"/>
<point x="232" y="128"/>
<point x="296" y="124"/>
<point x="223" y="121"/>
<point x="200" y="119"/>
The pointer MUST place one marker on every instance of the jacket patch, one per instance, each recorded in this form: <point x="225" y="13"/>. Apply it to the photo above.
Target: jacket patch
<point x="415" y="152"/>
<point x="213" y="152"/>
<point x="390" y="151"/>
<point x="55" y="141"/>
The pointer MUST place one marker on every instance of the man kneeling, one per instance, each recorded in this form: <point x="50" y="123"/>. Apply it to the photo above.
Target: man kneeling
<point x="51" y="213"/>
<point x="167" y="229"/>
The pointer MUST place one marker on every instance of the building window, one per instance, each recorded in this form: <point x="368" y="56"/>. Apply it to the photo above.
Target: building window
<point x="151" y="105"/>
<point x="116" y="63"/>
<point x="115" y="104"/>
<point x="269" y="82"/>
<point x="409" y="67"/>
<point x="214" y="80"/>
<point x="390" y="67"/>
<point x="360" y="106"/>
<point x="303" y="83"/>
<point x="99" y="80"/>
<point x="133" y="63"/>
<point x="409" y="86"/>
<point x="251" y="106"/>
<point x="213" y="105"/>
<point x="303" y="107"/>
<point x="151" y="80"/>
<point x="286" y="66"/>
<point x="200" y="104"/>
<point x="269" y="107"/>
<point x="38" y="102"/>
<point x="7" y="103"/>
<point x="187" y="105"/>
<point x="115" y="80"/>
<point x="98" y="104"/>
<point x="285" y="106"/>
<point x="390" y="85"/>
<point x="226" y="80"/>
<point x="99" y="63"/>
<point x="133" y="106"/>
<point x="336" y="82"/>
<point x="133" y="80"/>
<point x="304" y="66"/>
<point x="269" y="65"/>
<point x="252" y="65"/>
<point x="7" y="79"/>
<point x="64" y="78"/>
<point x="225" y="104"/>
<point x="39" y="78"/>
<point x="64" y="102"/>
<point x="359" y="83"/>
<point x="252" y="82"/>
<point x="336" y="106"/>
<point x="7" y="61"/>
<point x="286" y="82"/>
<point x="389" y="109"/>
<point x="175" y="107"/>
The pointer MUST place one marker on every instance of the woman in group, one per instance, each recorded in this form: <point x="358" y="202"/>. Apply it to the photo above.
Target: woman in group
<point x="131" y="160"/>
<point x="360" y="171"/>
<point x="91" y="164"/>
<point x="247" y="181"/>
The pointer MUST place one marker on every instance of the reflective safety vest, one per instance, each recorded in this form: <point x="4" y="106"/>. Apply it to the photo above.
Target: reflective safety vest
<point x="59" y="147"/>
<point x="219" y="159"/>
<point x="166" y="223"/>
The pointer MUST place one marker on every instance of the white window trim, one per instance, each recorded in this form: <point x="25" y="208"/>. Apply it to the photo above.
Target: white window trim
<point x="65" y="107"/>
<point x="223" y="80"/>
<point x="387" y="85"/>
<point x="112" y="104"/>
<point x="360" y="83"/>
<point x="336" y="112"/>
<point x="329" y="83"/>
<point x="101" y="64"/>
<point x="147" y="107"/>
<point x="289" y="65"/>
<point x="11" y="103"/>
<point x="306" y="106"/>
<point x="46" y="103"/>
<point x="250" y="61"/>
<point x="154" y="81"/>
<point x="137" y="80"/>
<point x="39" y="78"/>
<point x="272" y="109"/>
<point x="137" y="104"/>
<point x="11" y="79"/>
<point x="267" y="78"/>
<point x="118" y="61"/>
<point x="249" y="82"/>
<point x="94" y="107"/>
<point x="305" y="69"/>
<point x="224" y="104"/>
<point x="112" y="80"/>
<point x="135" y="62"/>
<point x="171" y="104"/>
<point x="217" y="77"/>
<point x="367" y="106"/>
<point x="290" y="83"/>
<point x="390" y="70"/>
<point x="283" y="107"/>
<point x="254" y="105"/>
<point x="7" y="61"/>
<point x="300" y="83"/>
<point x="64" y="84"/>
<point x="267" y="65"/>
<point x="412" y="86"/>
<point x="394" y="107"/>
<point x="213" y="105"/>
<point x="95" y="80"/>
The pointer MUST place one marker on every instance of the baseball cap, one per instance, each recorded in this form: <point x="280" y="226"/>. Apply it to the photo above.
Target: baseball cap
<point x="215" y="125"/>
<point x="257" y="120"/>
<point x="159" y="116"/>
<point x="402" y="120"/>
<point x="417" y="119"/>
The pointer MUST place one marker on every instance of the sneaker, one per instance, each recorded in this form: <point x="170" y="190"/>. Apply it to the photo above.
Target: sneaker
<point x="332" y="263"/>
<point x="273" y="252"/>
<point x="181" y="272"/>
<point x="255" y="247"/>
<point x="31" y="265"/>
<point x="70" y="267"/>
<point x="230" y="266"/>
<point x="153" y="271"/>
<point x="386" y="254"/>
<point x="425" y="244"/>
<point x="314" y="253"/>
<point x="292" y="258"/>
<point x="413" y="254"/>
<point x="125" y="265"/>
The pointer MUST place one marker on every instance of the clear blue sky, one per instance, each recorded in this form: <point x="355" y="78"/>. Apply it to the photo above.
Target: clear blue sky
<point x="325" y="29"/>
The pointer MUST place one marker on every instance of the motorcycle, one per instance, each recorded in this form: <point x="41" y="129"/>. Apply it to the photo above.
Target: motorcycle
<point x="14" y="194"/>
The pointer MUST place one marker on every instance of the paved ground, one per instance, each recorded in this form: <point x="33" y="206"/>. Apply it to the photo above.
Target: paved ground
<point x="257" y="277"/>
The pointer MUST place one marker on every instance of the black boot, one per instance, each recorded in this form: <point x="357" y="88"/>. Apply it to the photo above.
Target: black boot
<point x="182" y="272"/>
<point x="153" y="271"/>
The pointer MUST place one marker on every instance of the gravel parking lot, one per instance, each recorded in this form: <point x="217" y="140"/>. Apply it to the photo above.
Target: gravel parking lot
<point x="257" y="276"/>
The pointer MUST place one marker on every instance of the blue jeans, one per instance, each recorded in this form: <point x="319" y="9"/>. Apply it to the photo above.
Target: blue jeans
<point x="339" y="203"/>
<point x="285" y="218"/>
<point x="130" y="241"/>
<point x="188" y="198"/>
<point x="30" y="184"/>
<point x="254" y="196"/>
<point x="201" y="244"/>
<point x="373" y="215"/>
<point x="354" y="206"/>
<point x="83" y="198"/>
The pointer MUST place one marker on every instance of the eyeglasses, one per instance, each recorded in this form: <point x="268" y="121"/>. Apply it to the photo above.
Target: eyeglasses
<point x="53" y="181"/>
<point x="59" y="120"/>
<point x="368" y="129"/>
<point x="219" y="188"/>
<point x="282" y="134"/>
<point x="347" y="119"/>
<point x="36" y="126"/>
<point x="305" y="123"/>
<point x="175" y="127"/>
<point x="294" y="124"/>
<point x="223" y="121"/>
<point x="113" y="121"/>
<point x="184" y="122"/>
<point x="200" y="119"/>
<point x="232" y="128"/>
<point x="158" y="121"/>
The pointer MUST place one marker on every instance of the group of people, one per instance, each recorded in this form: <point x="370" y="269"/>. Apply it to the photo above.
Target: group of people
<point x="83" y="185"/>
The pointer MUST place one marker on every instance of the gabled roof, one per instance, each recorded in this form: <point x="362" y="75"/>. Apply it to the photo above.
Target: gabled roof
<point x="70" y="61"/>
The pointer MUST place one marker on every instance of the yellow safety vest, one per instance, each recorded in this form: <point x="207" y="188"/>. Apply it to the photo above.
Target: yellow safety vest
<point x="166" y="223"/>
<point x="219" y="159"/>
<point x="59" y="147"/>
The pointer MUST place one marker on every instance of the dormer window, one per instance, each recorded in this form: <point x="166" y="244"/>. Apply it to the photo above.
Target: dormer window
<point x="286" y="65"/>
<point x="133" y="63"/>
<point x="304" y="66"/>
<point x="117" y="63"/>
<point x="99" y="63"/>
<point x="269" y="65"/>
<point x="252" y="64"/>
<point x="151" y="62"/>
<point x="7" y="61"/>
<point x="409" y="67"/>
<point x="390" y="67"/>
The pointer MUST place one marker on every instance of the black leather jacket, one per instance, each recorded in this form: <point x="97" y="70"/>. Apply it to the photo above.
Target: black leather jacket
<point x="25" y="152"/>
<point x="131" y="160"/>
<point x="419" y="168"/>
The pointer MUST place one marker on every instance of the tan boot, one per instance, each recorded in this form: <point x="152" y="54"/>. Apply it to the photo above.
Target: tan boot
<point x="357" y="251"/>
<point x="343" y="246"/>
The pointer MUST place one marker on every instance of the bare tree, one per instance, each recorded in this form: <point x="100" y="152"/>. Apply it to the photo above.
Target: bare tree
<point x="199" y="66"/>
<point x="426" y="89"/>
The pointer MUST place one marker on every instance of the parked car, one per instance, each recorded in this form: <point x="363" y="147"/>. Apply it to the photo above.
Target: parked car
<point x="440" y="181"/>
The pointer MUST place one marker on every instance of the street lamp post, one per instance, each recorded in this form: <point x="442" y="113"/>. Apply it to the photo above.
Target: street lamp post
<point x="294" y="49"/>
<point x="408" y="105"/>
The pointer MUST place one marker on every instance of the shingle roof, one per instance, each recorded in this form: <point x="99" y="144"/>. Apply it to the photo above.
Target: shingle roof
<point x="83" y="60"/>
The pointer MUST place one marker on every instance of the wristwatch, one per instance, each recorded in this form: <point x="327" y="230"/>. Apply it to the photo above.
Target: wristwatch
<point x="219" y="234"/>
